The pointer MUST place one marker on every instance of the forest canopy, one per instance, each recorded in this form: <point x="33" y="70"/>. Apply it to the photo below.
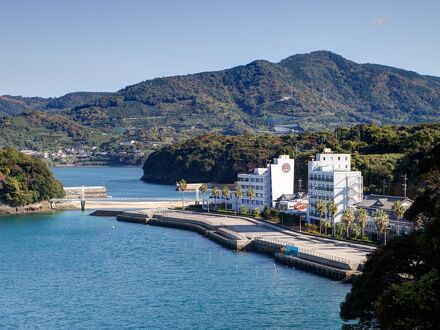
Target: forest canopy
<point x="25" y="180"/>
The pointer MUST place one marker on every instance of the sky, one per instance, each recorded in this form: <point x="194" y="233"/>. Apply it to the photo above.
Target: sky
<point x="52" y="47"/>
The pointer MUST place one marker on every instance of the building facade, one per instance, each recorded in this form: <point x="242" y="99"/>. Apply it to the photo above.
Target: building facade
<point x="268" y="183"/>
<point x="372" y="203"/>
<point x="330" y="178"/>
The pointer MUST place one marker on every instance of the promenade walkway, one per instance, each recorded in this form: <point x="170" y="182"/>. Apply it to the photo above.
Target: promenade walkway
<point x="251" y="228"/>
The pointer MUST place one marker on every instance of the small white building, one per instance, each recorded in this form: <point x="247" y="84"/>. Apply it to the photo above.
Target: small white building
<point x="330" y="178"/>
<point x="268" y="183"/>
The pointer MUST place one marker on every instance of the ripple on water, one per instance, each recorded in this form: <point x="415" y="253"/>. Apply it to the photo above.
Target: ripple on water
<point x="69" y="270"/>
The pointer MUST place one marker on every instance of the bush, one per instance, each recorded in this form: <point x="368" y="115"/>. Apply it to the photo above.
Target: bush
<point x="243" y="209"/>
<point x="311" y="228"/>
<point x="256" y="212"/>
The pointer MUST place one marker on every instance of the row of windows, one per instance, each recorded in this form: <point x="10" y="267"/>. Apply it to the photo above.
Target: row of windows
<point x="339" y="158"/>
<point x="253" y="202"/>
<point x="321" y="187"/>
<point x="321" y="177"/>
<point x="251" y="187"/>
<point x="251" y="179"/>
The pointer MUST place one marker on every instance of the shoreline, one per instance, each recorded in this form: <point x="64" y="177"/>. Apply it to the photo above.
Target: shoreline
<point x="320" y="256"/>
<point x="35" y="208"/>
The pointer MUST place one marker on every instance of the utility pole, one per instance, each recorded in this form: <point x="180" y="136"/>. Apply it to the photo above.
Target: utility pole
<point x="384" y="183"/>
<point x="300" y="184"/>
<point x="405" y="185"/>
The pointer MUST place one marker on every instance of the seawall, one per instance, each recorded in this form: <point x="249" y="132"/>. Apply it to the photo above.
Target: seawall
<point x="333" y="268"/>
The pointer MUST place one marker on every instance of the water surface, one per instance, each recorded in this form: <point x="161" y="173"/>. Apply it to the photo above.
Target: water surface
<point x="72" y="271"/>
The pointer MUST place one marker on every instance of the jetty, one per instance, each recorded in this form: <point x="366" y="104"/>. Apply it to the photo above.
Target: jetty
<point x="335" y="259"/>
<point x="96" y="197"/>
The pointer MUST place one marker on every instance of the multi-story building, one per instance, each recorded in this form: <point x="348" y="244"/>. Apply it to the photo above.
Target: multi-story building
<point x="268" y="183"/>
<point x="330" y="178"/>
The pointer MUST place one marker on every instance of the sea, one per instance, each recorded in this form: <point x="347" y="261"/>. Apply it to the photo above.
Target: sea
<point x="68" y="270"/>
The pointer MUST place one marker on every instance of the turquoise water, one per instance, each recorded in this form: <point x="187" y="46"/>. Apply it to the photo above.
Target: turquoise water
<point x="120" y="181"/>
<point x="72" y="271"/>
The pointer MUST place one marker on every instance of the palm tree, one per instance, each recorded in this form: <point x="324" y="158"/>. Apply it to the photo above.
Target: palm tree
<point x="362" y="219"/>
<point x="382" y="221"/>
<point x="250" y="193"/>
<point x="215" y="193"/>
<point x="181" y="186"/>
<point x="332" y="208"/>
<point x="225" y="195"/>
<point x="320" y="209"/>
<point x="238" y="196"/>
<point x="399" y="211"/>
<point x="326" y="224"/>
<point x="203" y="189"/>
<point x="347" y="218"/>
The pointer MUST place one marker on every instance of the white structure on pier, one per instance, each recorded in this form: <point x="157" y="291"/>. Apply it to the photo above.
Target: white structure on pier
<point x="268" y="183"/>
<point x="331" y="179"/>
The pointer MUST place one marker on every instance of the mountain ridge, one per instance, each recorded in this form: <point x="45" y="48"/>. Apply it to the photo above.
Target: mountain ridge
<point x="313" y="91"/>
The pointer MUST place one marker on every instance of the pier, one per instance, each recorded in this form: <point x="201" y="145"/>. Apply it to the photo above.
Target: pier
<point x="96" y="197"/>
<point x="335" y="259"/>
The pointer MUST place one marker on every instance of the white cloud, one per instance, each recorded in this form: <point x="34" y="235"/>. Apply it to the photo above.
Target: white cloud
<point x="381" y="20"/>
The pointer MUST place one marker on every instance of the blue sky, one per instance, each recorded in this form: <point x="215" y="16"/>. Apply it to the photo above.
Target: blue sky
<point x="49" y="48"/>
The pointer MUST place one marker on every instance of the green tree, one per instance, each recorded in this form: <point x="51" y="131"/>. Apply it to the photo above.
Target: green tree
<point x="332" y="208"/>
<point x="250" y="193"/>
<point x="382" y="221"/>
<point x="326" y="224"/>
<point x="203" y="189"/>
<point x="182" y="186"/>
<point x="320" y="208"/>
<point x="399" y="211"/>
<point x="256" y="212"/>
<point x="238" y="196"/>
<point x="347" y="219"/>
<point x="26" y="180"/>
<point x="243" y="209"/>
<point x="215" y="193"/>
<point x="226" y="194"/>
<point x="362" y="219"/>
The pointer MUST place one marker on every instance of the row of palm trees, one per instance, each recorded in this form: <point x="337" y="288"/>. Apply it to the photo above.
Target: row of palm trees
<point x="349" y="216"/>
<point x="226" y="195"/>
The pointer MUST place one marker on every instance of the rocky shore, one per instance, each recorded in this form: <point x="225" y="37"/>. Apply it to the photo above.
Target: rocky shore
<point x="40" y="207"/>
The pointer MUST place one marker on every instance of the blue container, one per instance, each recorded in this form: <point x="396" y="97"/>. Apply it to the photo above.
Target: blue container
<point x="291" y="250"/>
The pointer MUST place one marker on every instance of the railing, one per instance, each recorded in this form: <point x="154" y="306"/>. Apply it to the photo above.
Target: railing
<point x="301" y="250"/>
<point x="192" y="219"/>
<point x="127" y="199"/>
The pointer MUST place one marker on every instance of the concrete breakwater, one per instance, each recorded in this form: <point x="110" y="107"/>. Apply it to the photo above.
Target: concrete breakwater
<point x="242" y="234"/>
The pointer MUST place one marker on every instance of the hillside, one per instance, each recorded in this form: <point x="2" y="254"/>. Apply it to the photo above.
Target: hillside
<point x="380" y="153"/>
<point x="25" y="180"/>
<point x="13" y="105"/>
<point x="314" y="91"/>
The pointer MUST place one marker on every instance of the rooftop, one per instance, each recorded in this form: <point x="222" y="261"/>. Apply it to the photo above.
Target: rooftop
<point x="383" y="202"/>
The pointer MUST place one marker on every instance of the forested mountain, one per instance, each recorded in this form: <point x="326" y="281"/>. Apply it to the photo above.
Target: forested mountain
<point x="382" y="154"/>
<point x="309" y="92"/>
<point x="12" y="105"/>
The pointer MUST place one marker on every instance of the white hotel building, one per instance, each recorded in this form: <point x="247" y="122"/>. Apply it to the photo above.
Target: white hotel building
<point x="330" y="178"/>
<point x="268" y="183"/>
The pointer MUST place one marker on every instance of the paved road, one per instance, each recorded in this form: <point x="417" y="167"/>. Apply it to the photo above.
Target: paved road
<point x="355" y="253"/>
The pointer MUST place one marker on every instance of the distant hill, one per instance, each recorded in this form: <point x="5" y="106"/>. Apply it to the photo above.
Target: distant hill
<point x="12" y="105"/>
<point x="314" y="91"/>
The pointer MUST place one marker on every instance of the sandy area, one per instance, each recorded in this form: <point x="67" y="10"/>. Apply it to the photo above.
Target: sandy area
<point x="122" y="205"/>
